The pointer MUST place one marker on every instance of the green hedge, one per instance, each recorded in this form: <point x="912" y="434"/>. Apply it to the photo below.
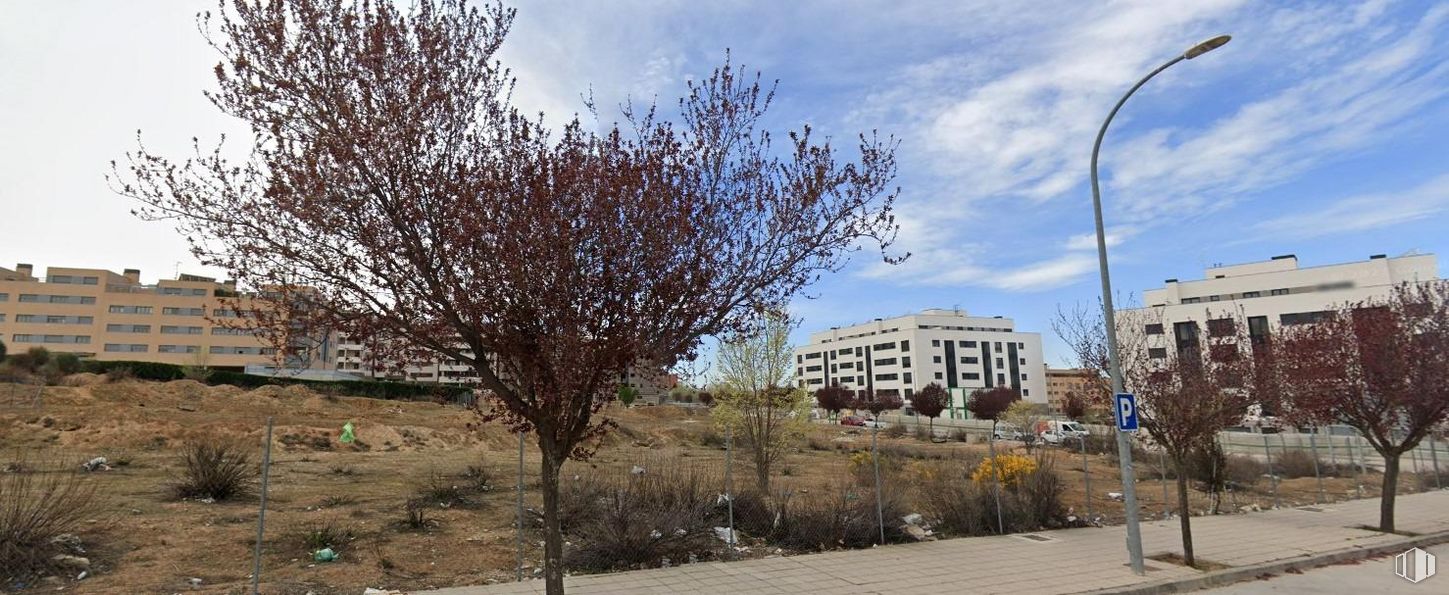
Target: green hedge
<point x="399" y="391"/>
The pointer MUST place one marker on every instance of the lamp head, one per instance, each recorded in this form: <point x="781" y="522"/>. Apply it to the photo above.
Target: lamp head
<point x="1207" y="46"/>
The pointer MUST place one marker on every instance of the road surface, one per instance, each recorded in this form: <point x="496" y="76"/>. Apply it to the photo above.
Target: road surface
<point x="1375" y="576"/>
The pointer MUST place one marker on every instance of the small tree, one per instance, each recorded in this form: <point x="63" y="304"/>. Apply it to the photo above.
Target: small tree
<point x="930" y="401"/>
<point x="754" y="397"/>
<point x="390" y="190"/>
<point x="1380" y="366"/>
<point x="627" y="394"/>
<point x="706" y="398"/>
<point x="1074" y="407"/>
<point x="3" y="351"/>
<point x="991" y="403"/>
<point x="1025" y="415"/>
<point x="832" y="399"/>
<point x="882" y="402"/>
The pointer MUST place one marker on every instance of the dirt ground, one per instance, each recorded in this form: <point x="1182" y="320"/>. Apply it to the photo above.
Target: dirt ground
<point x="145" y="542"/>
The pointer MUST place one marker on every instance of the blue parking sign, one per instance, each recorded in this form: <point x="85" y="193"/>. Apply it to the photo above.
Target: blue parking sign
<point x="1126" y="412"/>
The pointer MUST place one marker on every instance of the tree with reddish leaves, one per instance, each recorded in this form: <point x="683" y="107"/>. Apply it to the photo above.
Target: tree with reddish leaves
<point x="1380" y="366"/>
<point x="883" y="401"/>
<point x="930" y="401"/>
<point x="1190" y="391"/>
<point x="991" y="403"/>
<point x="706" y="398"/>
<point x="833" y="399"/>
<point x="1074" y="407"/>
<point x="390" y="190"/>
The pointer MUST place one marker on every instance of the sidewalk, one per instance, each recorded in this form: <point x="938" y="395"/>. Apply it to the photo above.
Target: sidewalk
<point x="1067" y="561"/>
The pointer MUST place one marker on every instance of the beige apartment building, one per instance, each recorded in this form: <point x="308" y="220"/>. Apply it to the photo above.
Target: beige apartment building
<point x="99" y="314"/>
<point x="1063" y="381"/>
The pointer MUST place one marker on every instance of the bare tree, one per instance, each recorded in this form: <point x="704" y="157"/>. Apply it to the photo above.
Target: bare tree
<point x="1025" y="415"/>
<point x="390" y="189"/>
<point x="1074" y="407"/>
<point x="1188" y="392"/>
<point x="754" y="396"/>
<point x="1380" y="366"/>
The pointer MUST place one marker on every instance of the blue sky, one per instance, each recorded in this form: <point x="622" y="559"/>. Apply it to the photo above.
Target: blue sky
<point x="1319" y="131"/>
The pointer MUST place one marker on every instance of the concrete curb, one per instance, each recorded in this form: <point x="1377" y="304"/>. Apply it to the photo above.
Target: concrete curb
<point x="1233" y="575"/>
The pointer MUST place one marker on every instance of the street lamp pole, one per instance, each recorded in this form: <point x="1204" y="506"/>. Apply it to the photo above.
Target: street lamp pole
<point x="1124" y="449"/>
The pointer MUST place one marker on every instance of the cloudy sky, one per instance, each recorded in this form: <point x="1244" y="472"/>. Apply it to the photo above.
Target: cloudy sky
<point x="1319" y="131"/>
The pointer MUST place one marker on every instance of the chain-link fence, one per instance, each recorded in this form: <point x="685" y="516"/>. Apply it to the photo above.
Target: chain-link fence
<point x="422" y="495"/>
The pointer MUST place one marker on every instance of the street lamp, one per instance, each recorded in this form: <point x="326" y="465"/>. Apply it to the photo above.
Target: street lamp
<point x="1124" y="450"/>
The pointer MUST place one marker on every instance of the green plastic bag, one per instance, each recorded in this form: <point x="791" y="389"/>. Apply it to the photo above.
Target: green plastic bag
<point x="347" y="436"/>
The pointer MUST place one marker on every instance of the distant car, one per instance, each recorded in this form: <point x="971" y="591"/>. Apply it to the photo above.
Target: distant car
<point x="1008" y="432"/>
<point x="871" y="423"/>
<point x="1058" y="432"/>
<point x="852" y="420"/>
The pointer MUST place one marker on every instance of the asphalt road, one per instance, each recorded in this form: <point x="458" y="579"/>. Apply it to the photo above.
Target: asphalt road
<point x="1375" y="576"/>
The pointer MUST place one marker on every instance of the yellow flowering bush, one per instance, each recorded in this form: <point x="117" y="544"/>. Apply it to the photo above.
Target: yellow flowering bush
<point x="1009" y="468"/>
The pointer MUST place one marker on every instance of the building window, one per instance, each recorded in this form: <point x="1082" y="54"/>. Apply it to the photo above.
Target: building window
<point x="183" y="311"/>
<point x="905" y="362"/>
<point x="222" y="330"/>
<point x="968" y="344"/>
<point x="53" y="319"/>
<point x="130" y="309"/>
<point x="935" y="342"/>
<point x="847" y="365"/>
<point x="812" y="368"/>
<point x="1026" y="392"/>
<point x="857" y="352"/>
<point x="127" y="347"/>
<point x="182" y="349"/>
<point x="1258" y="329"/>
<point x="1021" y="361"/>
<point x="883" y="346"/>
<point x="1191" y="300"/>
<point x="938" y="375"/>
<point x="1214" y="298"/>
<point x="1000" y="379"/>
<point x="1304" y="317"/>
<point x="799" y="359"/>
<point x="218" y="350"/>
<point x="970" y="360"/>
<point x="4" y="297"/>
<point x="860" y="380"/>
<point x="75" y="339"/>
<point x="1154" y="329"/>
<point x="970" y="376"/>
<point x="834" y="369"/>
<point x="888" y="361"/>
<point x="1023" y="377"/>
<point x="32" y="298"/>
<point x="999" y="363"/>
<point x="906" y="378"/>
<point x="845" y="351"/>
<point x="1279" y="292"/>
<point x="1157" y="352"/>
<point x="180" y="330"/>
<point x="884" y="377"/>
<point x="1186" y="333"/>
<point x="1252" y="294"/>
<point x="935" y="359"/>
<point x="1222" y="327"/>
<point x="128" y="328"/>
<point x="815" y="355"/>
<point x="905" y="345"/>
<point x="799" y="371"/>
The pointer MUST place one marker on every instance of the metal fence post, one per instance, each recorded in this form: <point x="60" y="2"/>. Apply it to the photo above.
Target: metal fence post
<point x="1332" y="457"/>
<point x="518" y="567"/>
<point x="995" y="477"/>
<point x="875" y="460"/>
<point x="1313" y="445"/>
<point x="1355" y="457"/>
<point x="1434" y="454"/>
<point x="729" y="488"/>
<point x="1272" y="477"/>
<point x="1162" y="473"/>
<point x="1086" y="479"/>
<point x="262" y="510"/>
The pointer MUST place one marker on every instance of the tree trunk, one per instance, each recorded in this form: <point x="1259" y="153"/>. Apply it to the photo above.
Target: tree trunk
<point x="553" y="570"/>
<point x="762" y="476"/>
<point x="1184" y="514"/>
<point x="1391" y="488"/>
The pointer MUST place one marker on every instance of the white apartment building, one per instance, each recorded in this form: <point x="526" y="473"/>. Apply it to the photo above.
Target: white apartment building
<point x="903" y="354"/>
<point x="1267" y="294"/>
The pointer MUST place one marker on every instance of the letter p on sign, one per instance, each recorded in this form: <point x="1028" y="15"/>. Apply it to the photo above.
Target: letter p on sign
<point x="1126" y="412"/>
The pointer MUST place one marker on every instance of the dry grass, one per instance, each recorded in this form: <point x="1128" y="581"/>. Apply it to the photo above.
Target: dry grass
<point x="36" y="508"/>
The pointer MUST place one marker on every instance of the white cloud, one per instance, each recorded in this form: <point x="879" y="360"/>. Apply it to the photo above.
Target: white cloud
<point x="1363" y="212"/>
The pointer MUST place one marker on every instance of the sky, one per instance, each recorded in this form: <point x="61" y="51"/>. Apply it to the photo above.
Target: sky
<point x="1320" y="130"/>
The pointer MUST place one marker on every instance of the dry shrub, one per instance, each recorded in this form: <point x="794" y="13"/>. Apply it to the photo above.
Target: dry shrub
<point x="840" y="516"/>
<point x="665" y="515"/>
<point x="1294" y="463"/>
<point x="959" y="435"/>
<point x="328" y="535"/>
<point x="218" y="470"/>
<point x="1244" y="471"/>
<point x="448" y="491"/>
<point x="35" y="509"/>
<point x="820" y="443"/>
<point x="960" y="506"/>
<point x="895" y="431"/>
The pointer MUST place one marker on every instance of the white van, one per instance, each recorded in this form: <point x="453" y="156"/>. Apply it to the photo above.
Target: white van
<point x="1057" y="432"/>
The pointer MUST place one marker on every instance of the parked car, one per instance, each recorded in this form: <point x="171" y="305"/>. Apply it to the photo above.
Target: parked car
<point x="852" y="420"/>
<point x="1058" y="432"/>
<point x="1008" y="432"/>
<point x="872" y="423"/>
